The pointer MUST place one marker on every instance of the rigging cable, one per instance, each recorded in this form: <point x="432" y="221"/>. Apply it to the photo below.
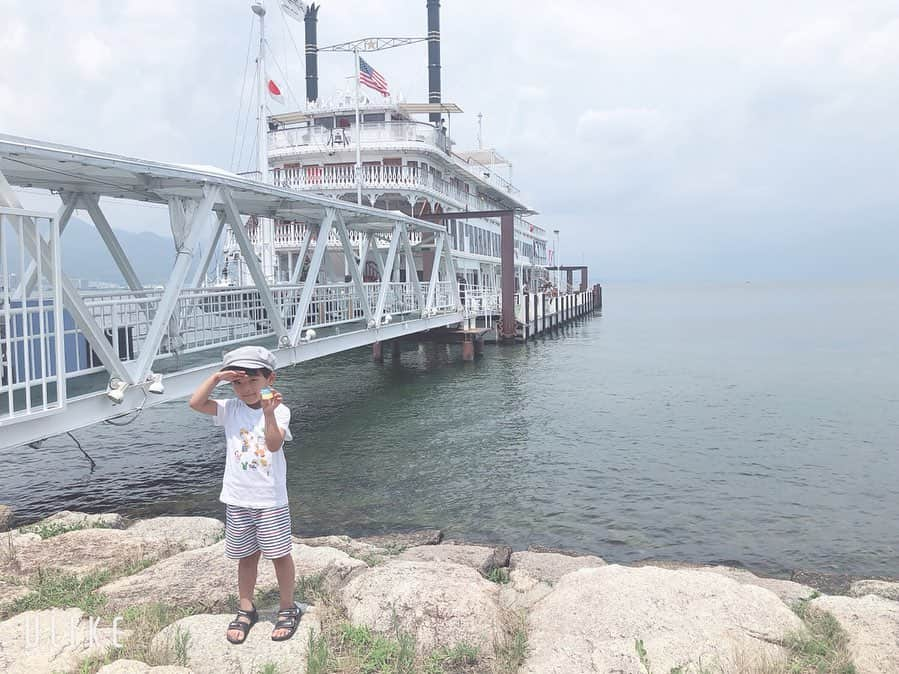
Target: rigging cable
<point x="243" y="86"/>
<point x="243" y="139"/>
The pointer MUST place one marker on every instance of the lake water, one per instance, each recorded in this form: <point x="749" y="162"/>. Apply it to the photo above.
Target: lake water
<point x="756" y="423"/>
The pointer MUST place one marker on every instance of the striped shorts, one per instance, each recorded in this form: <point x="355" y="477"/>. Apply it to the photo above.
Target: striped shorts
<point x="249" y="530"/>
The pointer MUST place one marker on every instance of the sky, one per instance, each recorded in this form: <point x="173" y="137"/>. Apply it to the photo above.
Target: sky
<point x="688" y="141"/>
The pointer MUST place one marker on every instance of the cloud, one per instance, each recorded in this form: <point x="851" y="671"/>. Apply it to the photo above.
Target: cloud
<point x="92" y="56"/>
<point x="634" y="126"/>
<point x="620" y="129"/>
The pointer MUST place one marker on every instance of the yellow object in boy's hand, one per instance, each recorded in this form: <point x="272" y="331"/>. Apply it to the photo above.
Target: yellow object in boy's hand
<point x="267" y="393"/>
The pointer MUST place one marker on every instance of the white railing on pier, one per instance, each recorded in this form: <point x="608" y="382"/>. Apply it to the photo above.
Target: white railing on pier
<point x="31" y="316"/>
<point x="206" y="318"/>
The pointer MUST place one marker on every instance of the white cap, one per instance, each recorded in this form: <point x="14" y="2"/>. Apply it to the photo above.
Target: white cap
<point x="252" y="357"/>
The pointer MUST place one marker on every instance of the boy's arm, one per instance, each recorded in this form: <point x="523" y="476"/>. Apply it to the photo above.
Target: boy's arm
<point x="274" y="434"/>
<point x="200" y="401"/>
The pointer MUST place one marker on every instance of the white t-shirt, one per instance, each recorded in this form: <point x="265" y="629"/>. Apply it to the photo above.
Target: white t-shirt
<point x="254" y="476"/>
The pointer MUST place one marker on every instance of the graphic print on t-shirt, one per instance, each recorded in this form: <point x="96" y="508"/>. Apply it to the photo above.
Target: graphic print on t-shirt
<point x="253" y="453"/>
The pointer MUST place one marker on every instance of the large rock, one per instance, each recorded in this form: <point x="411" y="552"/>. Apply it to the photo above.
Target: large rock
<point x="208" y="652"/>
<point x="550" y="566"/>
<point x="205" y="577"/>
<point x="872" y="624"/>
<point x="73" y="519"/>
<point x="54" y="640"/>
<point x="475" y="556"/>
<point x="6" y="518"/>
<point x="882" y="588"/>
<point x="352" y="547"/>
<point x="179" y="533"/>
<point x="438" y="603"/>
<point x="409" y="539"/>
<point x="593" y="618"/>
<point x="788" y="591"/>
<point x="522" y="591"/>
<point x="80" y="551"/>
<point x="137" y="667"/>
<point x="91" y="549"/>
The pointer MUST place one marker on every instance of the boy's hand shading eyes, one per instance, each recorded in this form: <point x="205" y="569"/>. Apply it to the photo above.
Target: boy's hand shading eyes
<point x="231" y="376"/>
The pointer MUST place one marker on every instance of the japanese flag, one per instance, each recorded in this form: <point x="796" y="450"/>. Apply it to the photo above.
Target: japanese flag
<point x="274" y="91"/>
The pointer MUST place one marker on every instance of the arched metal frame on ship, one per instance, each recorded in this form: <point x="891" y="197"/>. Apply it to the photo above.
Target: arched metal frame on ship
<point x="121" y="338"/>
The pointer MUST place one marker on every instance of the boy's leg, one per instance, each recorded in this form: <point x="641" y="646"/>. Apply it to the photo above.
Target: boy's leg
<point x="241" y="544"/>
<point x="247" y="569"/>
<point x="275" y="543"/>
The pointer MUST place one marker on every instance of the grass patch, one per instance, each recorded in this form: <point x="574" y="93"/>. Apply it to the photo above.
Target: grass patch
<point x="460" y="658"/>
<point x="50" y="529"/>
<point x="372" y="652"/>
<point x="320" y="659"/>
<point x="56" y="589"/>
<point x="144" y="622"/>
<point x="269" y="668"/>
<point x="499" y="575"/>
<point x="822" y="647"/>
<point x="512" y="649"/>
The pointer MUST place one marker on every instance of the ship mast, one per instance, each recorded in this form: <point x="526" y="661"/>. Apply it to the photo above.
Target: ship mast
<point x="266" y="225"/>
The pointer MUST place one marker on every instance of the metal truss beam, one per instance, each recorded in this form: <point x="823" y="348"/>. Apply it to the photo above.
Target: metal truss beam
<point x="201" y="269"/>
<point x="353" y="267"/>
<point x="92" y="204"/>
<point x="387" y="276"/>
<point x="259" y="278"/>
<point x="411" y="270"/>
<point x="321" y="245"/>
<point x="73" y="302"/>
<point x="175" y="284"/>
<point x="297" y="271"/>
<point x="63" y="215"/>
<point x="373" y="44"/>
<point x="435" y="272"/>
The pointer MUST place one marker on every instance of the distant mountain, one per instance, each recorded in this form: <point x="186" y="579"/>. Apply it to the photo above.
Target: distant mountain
<point x="84" y="255"/>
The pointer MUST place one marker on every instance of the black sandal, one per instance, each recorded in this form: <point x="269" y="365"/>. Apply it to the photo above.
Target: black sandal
<point x="244" y="627"/>
<point x="288" y="619"/>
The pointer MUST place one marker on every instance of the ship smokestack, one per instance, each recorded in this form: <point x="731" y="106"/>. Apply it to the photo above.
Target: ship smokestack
<point x="311" y="21"/>
<point x="433" y="56"/>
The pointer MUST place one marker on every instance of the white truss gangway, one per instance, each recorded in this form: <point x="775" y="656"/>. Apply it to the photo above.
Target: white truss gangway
<point x="73" y="358"/>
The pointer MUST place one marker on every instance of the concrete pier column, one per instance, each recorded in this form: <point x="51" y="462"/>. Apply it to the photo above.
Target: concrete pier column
<point x="536" y="325"/>
<point x="479" y="346"/>
<point x="377" y="352"/>
<point x="468" y="349"/>
<point x="527" y="314"/>
<point x="583" y="280"/>
<point x="507" y="280"/>
<point x="395" y="349"/>
<point x="543" y="309"/>
<point x="569" y="274"/>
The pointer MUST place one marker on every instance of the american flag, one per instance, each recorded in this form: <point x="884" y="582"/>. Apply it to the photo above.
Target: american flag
<point x="372" y="78"/>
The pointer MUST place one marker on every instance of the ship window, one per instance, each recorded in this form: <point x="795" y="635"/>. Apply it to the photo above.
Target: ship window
<point x="373" y="117"/>
<point x="327" y="122"/>
<point x="344" y="122"/>
<point x="393" y="161"/>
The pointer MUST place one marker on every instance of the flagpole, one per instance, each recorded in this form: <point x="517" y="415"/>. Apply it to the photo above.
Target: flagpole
<point x="265" y="226"/>
<point x="358" y="136"/>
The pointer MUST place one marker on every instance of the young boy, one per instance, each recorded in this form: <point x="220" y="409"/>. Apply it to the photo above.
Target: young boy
<point x="254" y="487"/>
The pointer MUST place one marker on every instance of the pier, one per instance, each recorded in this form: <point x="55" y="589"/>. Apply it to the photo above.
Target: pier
<point x="72" y="358"/>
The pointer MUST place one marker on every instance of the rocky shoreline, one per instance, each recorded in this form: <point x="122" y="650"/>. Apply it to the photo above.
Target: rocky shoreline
<point x="98" y="593"/>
